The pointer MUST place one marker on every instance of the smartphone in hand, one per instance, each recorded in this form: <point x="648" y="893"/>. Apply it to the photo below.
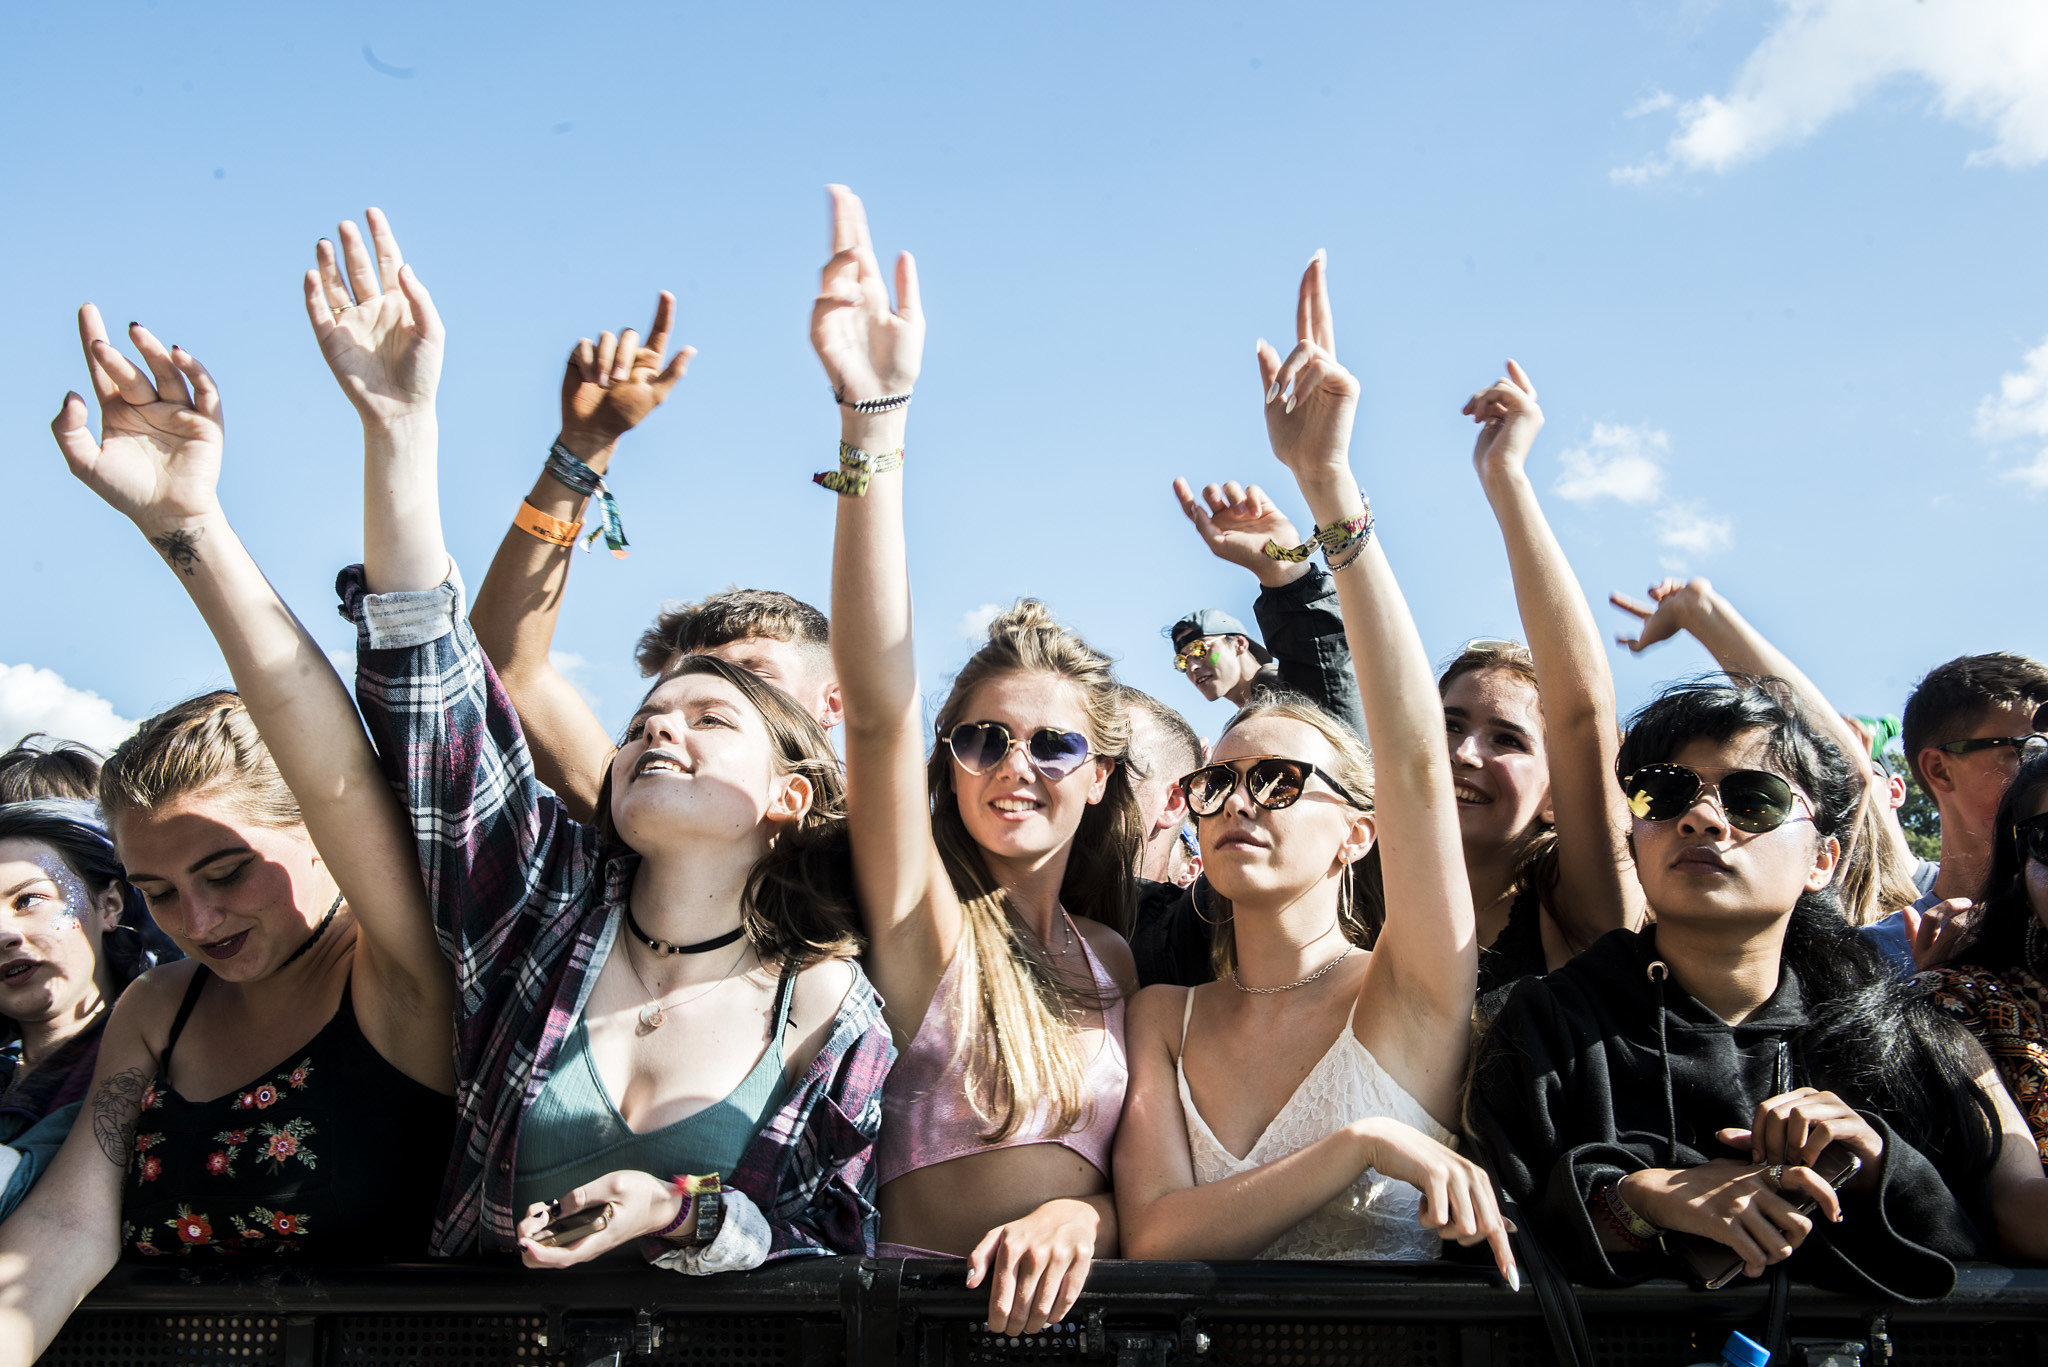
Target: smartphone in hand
<point x="580" y="1224"/>
<point x="1712" y="1264"/>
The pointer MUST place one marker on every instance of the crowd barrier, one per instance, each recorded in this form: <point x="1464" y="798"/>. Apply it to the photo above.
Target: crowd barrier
<point x="866" y="1312"/>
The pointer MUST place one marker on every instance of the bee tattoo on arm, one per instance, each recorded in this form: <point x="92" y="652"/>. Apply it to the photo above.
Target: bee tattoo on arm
<point x="179" y="548"/>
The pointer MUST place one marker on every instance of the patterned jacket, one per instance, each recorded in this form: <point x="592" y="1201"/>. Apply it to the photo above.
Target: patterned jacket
<point x="525" y="902"/>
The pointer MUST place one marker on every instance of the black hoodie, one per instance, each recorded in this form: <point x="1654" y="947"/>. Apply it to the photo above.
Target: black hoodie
<point x="1575" y="1085"/>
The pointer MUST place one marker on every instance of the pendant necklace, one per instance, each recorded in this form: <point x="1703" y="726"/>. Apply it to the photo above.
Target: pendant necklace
<point x="654" y="1015"/>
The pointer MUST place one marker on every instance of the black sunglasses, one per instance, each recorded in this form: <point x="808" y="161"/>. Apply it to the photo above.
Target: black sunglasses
<point x="2032" y="837"/>
<point x="2026" y="747"/>
<point x="1754" y="801"/>
<point x="1271" y="783"/>
<point x="979" y="746"/>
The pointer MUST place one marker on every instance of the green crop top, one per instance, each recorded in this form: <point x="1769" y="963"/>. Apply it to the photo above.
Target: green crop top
<point x="573" y="1132"/>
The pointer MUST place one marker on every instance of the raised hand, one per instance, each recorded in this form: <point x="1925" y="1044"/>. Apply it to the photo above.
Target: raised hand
<point x="1235" y="521"/>
<point x="1311" y="401"/>
<point x="611" y="386"/>
<point x="158" y="457"/>
<point x="1668" y="612"/>
<point x="1509" y="421"/>
<point x="382" y="341"/>
<point x="867" y="349"/>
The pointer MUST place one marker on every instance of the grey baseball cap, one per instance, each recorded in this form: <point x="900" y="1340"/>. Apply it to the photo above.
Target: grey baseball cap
<point x="1214" y="622"/>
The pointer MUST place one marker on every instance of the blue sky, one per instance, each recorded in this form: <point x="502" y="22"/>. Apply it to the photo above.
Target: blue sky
<point x="1780" y="292"/>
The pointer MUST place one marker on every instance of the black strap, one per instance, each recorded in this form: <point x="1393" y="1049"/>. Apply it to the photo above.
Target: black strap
<point x="1554" y="1293"/>
<point x="1776" y="1313"/>
<point x="200" y="973"/>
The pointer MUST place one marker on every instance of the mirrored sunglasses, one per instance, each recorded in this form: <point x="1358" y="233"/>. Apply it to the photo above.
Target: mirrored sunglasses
<point x="979" y="746"/>
<point x="1754" y="801"/>
<point x="1201" y="650"/>
<point x="1272" y="783"/>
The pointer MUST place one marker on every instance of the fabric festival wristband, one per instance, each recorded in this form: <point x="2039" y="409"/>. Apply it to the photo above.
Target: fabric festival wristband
<point x="1333" y="538"/>
<point x="1622" y="1218"/>
<point x="564" y="465"/>
<point x="553" y="530"/>
<point x="1341" y="555"/>
<point x="857" y="469"/>
<point x="702" y="1208"/>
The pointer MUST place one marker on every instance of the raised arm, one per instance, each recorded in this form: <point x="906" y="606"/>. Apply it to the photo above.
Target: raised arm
<point x="1297" y="603"/>
<point x="1414" y="1011"/>
<point x="158" y="462"/>
<point x="870" y="352"/>
<point x="608" y="388"/>
<point x="1597" y="890"/>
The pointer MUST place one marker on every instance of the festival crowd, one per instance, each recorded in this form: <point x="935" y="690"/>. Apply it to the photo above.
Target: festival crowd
<point x="439" y="968"/>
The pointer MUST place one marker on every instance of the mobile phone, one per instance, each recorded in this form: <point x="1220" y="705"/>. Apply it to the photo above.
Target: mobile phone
<point x="1713" y="1264"/>
<point x="567" y="1229"/>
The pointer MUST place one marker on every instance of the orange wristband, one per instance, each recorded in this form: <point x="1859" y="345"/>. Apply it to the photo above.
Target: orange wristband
<point x="553" y="530"/>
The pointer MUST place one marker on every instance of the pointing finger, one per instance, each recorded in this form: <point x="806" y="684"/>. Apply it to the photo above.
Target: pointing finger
<point x="91" y="329"/>
<point x="664" y="320"/>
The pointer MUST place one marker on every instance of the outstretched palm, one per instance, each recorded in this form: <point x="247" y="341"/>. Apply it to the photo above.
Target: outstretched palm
<point x="158" y="457"/>
<point x="382" y="343"/>
<point x="1236" y="522"/>
<point x="867" y="350"/>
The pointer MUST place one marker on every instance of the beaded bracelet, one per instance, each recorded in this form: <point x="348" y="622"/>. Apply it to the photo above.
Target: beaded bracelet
<point x="564" y="465"/>
<point x="887" y="403"/>
<point x="857" y="469"/>
<point x="1334" y="539"/>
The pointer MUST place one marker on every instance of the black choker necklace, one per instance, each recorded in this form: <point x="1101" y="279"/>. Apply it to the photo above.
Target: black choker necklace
<point x="664" y="947"/>
<point x="314" y="938"/>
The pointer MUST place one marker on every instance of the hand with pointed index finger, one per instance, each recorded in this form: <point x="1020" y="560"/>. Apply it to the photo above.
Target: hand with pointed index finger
<point x="1508" y="421"/>
<point x="610" y="386"/>
<point x="157" y="460"/>
<point x="868" y="350"/>
<point x="1670" y="610"/>
<point x="1311" y="400"/>
<point x="376" y="325"/>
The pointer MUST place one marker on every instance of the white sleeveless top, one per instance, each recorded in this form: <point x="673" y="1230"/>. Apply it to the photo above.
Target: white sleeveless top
<point x="1373" y="1218"/>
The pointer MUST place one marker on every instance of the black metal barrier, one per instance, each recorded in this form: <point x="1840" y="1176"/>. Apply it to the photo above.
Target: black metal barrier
<point x="865" y="1312"/>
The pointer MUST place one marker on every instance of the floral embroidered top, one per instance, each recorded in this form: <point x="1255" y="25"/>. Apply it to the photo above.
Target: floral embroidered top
<point x="333" y="1155"/>
<point x="2006" y="1012"/>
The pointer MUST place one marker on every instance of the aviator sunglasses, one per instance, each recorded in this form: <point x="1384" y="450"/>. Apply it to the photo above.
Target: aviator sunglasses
<point x="1754" y="801"/>
<point x="979" y="746"/>
<point x="1201" y="650"/>
<point x="1272" y="783"/>
<point x="2032" y="835"/>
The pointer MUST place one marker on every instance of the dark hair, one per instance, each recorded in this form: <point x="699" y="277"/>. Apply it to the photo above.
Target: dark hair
<point x="73" y="831"/>
<point x="1873" y="1037"/>
<point x="1953" y="696"/>
<point x="721" y="619"/>
<point x="1999" y="942"/>
<point x="799" y="900"/>
<point x="1183" y="747"/>
<point x="42" y="765"/>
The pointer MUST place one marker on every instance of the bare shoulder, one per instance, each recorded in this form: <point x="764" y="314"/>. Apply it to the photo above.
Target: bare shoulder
<point x="147" y="1006"/>
<point x="1110" y="948"/>
<point x="1155" y="1014"/>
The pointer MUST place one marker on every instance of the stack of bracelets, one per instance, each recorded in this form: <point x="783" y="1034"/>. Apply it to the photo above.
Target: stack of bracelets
<point x="1619" y="1216"/>
<point x="578" y="478"/>
<point x="857" y="469"/>
<point x="703" y="1207"/>
<point x="1342" y="542"/>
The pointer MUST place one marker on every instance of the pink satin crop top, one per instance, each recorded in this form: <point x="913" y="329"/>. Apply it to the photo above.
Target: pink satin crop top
<point x="926" y="1117"/>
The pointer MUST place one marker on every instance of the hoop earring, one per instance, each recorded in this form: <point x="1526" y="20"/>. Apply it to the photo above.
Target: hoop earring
<point x="2036" y="951"/>
<point x="1196" y="899"/>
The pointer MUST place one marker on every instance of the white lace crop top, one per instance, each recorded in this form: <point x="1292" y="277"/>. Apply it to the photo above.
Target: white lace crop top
<point x="1374" y="1217"/>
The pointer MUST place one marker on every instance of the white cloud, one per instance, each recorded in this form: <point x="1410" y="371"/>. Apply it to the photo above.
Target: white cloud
<point x="1983" y="62"/>
<point x="974" y="622"/>
<point x="1684" y="527"/>
<point x="2019" y="412"/>
<point x="1651" y="103"/>
<point x="1620" y="462"/>
<point x="33" y="699"/>
<point x="577" y="671"/>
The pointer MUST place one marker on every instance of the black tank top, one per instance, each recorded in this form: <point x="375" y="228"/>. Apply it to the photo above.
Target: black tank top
<point x="334" y="1155"/>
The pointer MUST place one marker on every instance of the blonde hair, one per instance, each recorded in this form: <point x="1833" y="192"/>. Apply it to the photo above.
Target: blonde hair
<point x="1874" y="881"/>
<point x="205" y="742"/>
<point x="1018" y="1003"/>
<point x="1361" y="903"/>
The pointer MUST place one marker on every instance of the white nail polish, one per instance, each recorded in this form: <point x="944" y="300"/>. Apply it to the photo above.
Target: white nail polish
<point x="1514" y="1278"/>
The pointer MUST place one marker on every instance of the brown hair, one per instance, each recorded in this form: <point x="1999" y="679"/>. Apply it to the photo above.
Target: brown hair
<point x="1361" y="905"/>
<point x="205" y="742"/>
<point x="1183" y="745"/>
<point x="1536" y="861"/>
<point x="1019" y="1005"/>
<point x="41" y="765"/>
<point x="799" y="905"/>
<point x="734" y="615"/>
<point x="1949" y="700"/>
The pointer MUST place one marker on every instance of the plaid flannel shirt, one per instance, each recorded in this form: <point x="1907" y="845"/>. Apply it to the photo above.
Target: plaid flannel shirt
<point x="526" y="902"/>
